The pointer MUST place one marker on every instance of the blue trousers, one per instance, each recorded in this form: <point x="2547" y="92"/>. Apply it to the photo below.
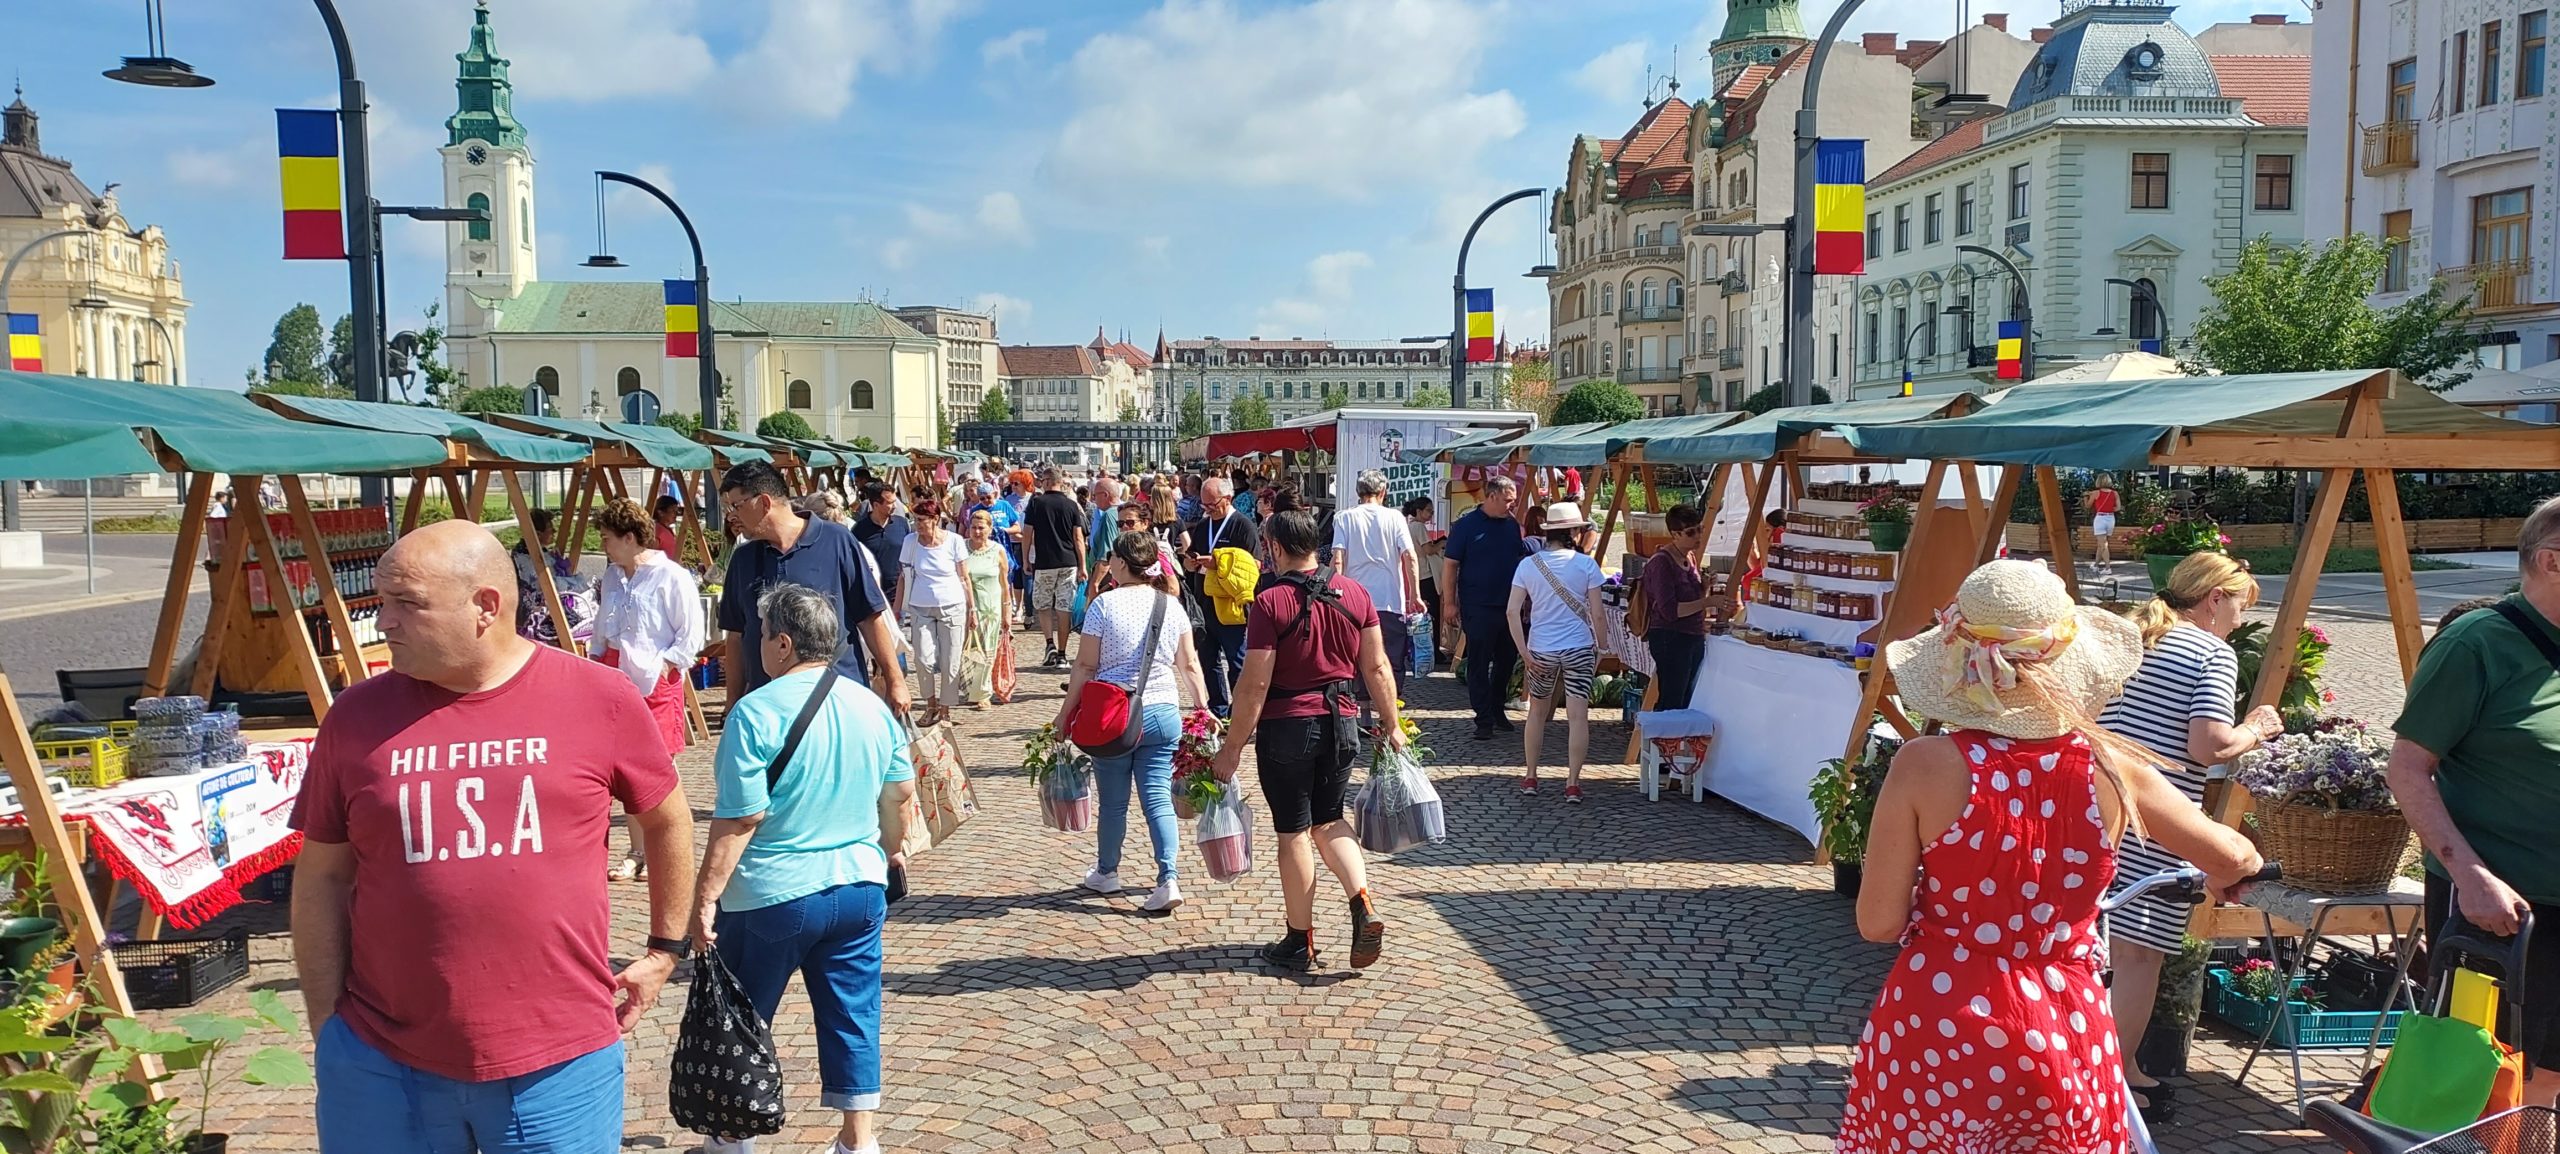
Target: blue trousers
<point x="1150" y="769"/>
<point x="369" y="1103"/>
<point x="1221" y="661"/>
<point x="832" y="940"/>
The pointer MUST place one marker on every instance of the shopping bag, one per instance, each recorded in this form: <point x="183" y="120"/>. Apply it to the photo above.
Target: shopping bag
<point x="1066" y="792"/>
<point x="977" y="669"/>
<point x="943" y="792"/>
<point x="1397" y="808"/>
<point x="1418" y="630"/>
<point x="723" y="1080"/>
<point x="2442" y="1074"/>
<point x="1225" y="838"/>
<point x="1001" y="684"/>
<point x="1076" y="617"/>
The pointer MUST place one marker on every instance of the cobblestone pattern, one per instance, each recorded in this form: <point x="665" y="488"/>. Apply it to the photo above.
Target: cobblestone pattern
<point x="1621" y="976"/>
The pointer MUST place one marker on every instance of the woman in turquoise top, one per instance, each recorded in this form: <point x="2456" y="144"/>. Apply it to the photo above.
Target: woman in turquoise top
<point x="985" y="566"/>
<point x="795" y="879"/>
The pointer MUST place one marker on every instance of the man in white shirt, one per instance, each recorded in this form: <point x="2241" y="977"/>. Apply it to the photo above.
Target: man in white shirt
<point x="1372" y="547"/>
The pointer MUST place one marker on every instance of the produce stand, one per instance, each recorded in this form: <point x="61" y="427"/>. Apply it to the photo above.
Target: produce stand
<point x="614" y="448"/>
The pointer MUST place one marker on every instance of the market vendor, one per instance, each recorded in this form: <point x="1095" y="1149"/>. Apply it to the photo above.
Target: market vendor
<point x="1676" y="600"/>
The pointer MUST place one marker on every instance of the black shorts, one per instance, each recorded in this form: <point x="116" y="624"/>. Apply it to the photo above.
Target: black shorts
<point x="2541" y="1041"/>
<point x="1303" y="781"/>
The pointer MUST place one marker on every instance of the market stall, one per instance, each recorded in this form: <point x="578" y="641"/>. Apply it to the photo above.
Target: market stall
<point x="614" y="450"/>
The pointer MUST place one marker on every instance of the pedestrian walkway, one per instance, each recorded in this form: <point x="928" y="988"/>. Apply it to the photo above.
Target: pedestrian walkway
<point x="1619" y="977"/>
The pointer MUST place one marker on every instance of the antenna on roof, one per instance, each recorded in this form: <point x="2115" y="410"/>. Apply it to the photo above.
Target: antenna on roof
<point x="1675" y="70"/>
<point x="1648" y="86"/>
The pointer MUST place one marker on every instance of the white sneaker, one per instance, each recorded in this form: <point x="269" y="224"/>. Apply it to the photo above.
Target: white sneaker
<point x="717" y="1146"/>
<point x="1102" y="883"/>
<point x="1164" y="900"/>
<point x="838" y="1147"/>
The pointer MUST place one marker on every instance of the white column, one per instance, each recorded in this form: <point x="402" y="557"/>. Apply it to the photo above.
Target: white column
<point x="832" y="397"/>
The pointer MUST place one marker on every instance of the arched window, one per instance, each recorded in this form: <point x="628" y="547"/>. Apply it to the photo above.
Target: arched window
<point x="1607" y="357"/>
<point x="796" y="395"/>
<point x="2146" y="318"/>
<point x="524" y="222"/>
<point x="1671" y="293"/>
<point x="626" y="382"/>
<point x="1608" y="297"/>
<point x="549" y="379"/>
<point x="1652" y="294"/>
<point x="479" y="228"/>
<point x="863" y="397"/>
<point x="1627" y="293"/>
<point x="1707" y="334"/>
<point x="2017" y="300"/>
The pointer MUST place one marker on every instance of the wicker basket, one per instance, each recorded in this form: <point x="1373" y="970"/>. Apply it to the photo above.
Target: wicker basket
<point x="2333" y="851"/>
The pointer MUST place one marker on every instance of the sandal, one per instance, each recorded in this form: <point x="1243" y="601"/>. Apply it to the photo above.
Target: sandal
<point x="629" y="870"/>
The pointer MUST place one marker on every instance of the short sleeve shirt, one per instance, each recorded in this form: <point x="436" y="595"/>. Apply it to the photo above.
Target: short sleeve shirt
<point x="1374" y="544"/>
<point x="1669" y="580"/>
<point x="825" y="559"/>
<point x="1556" y="622"/>
<point x="2190" y="674"/>
<point x="1054" y="519"/>
<point x="1486" y="549"/>
<point x="1326" y="649"/>
<point x="2487" y="704"/>
<point x="1117" y="621"/>
<point x="822" y="818"/>
<point x="477" y="933"/>
<point x="937" y="569"/>
<point x="885" y="542"/>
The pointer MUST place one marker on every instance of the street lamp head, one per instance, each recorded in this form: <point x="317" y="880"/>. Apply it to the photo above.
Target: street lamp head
<point x="159" y="72"/>
<point x="2108" y="331"/>
<point x="604" y="260"/>
<point x="1961" y="108"/>
<point x="1540" y="271"/>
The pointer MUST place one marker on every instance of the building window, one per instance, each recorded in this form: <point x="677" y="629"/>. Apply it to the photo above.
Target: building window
<point x="2275" y="183"/>
<point x="2150" y="180"/>
<point x="479" y="229"/>
<point x="626" y="382"/>
<point x="1217" y="392"/>
<point x="2498" y="224"/>
<point x="1933" y="219"/>
<point x="2018" y="181"/>
<point x="2404" y="90"/>
<point x="1399" y="390"/>
<point x="2461" y="69"/>
<point x="1835" y="356"/>
<point x="1902" y="228"/>
<point x="2395" y="251"/>
<point x="1964" y="209"/>
<point x="1902" y="334"/>
<point x="1874" y="322"/>
<point x="1875" y="235"/>
<point x="796" y="395"/>
<point x="2532" y="31"/>
<point x="2145" y="325"/>
<point x="1608" y="355"/>
<point x="1608" y="297"/>
<point x="862" y="396"/>
<point x="548" y="379"/>
<point x="1671" y="293"/>
<point x="2489" y="45"/>
<point x="524" y="222"/>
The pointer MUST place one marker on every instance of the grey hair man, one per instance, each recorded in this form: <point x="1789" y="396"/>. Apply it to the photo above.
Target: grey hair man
<point x="1221" y="642"/>
<point x="1372" y="547"/>
<point x="1484" y="546"/>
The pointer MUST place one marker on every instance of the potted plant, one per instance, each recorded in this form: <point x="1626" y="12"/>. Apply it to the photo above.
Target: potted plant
<point x="1888" y="515"/>
<point x="198" y="1044"/>
<point x="2302" y="698"/>
<point x="2172" y="1032"/>
<point x="2168" y="542"/>
<point x="2324" y="808"/>
<point x="1844" y="801"/>
<point x="25" y="930"/>
<point x="1195" y="788"/>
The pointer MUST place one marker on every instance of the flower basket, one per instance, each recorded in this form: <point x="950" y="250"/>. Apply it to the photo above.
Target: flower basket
<point x="2333" y="851"/>
<point x="2161" y="565"/>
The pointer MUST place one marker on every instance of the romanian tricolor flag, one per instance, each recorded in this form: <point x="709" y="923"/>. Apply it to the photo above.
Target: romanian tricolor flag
<point x="1906" y="380"/>
<point x="314" y="224"/>
<point x="684" y="320"/>
<point x="1479" y="325"/>
<point x="26" y="346"/>
<point x="2012" y="350"/>
<point x="1840" y="207"/>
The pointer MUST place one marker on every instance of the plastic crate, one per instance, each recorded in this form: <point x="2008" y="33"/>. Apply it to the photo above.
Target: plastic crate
<point x="2306" y="1027"/>
<point x="92" y="762"/>
<point x="174" y="975"/>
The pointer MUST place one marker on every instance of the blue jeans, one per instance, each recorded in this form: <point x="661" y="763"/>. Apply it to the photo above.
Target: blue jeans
<point x="371" y="1104"/>
<point x="1221" y="661"/>
<point x="832" y="940"/>
<point x="1150" y="767"/>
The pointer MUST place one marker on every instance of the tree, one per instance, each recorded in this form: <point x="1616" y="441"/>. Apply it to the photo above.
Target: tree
<point x="1530" y="385"/>
<point x="302" y="389"/>
<point x="1597" y="401"/>
<point x="1129" y="413"/>
<point x="441" y="377"/>
<point x="295" y="350"/>
<point x="942" y="424"/>
<point x="1429" y="397"/>
<point x="685" y="423"/>
<point x="1193" y="420"/>
<point x="342" y="353"/>
<point x="1771" y="396"/>
<point x="866" y="444"/>
<point x="491" y="399"/>
<point x="995" y="407"/>
<point x="1334" y="398"/>
<point x="2304" y="309"/>
<point x="787" y="425"/>
<point x="1249" y="411"/>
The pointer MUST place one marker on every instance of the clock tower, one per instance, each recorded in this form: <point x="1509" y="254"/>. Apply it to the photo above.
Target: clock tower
<point x="486" y="166"/>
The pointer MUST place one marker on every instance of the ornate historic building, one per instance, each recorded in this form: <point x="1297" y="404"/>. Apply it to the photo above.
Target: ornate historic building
<point x="106" y="296"/>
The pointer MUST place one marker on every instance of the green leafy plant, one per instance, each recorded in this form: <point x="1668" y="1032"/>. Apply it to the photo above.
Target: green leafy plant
<point x="1844" y="798"/>
<point x="1598" y="401"/>
<point x="198" y="1044"/>
<point x="785" y="424"/>
<point x="1887" y="507"/>
<point x="2178" y="536"/>
<point x="2302" y="699"/>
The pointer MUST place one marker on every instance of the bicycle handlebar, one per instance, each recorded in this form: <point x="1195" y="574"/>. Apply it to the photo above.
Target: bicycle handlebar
<point x="2188" y="881"/>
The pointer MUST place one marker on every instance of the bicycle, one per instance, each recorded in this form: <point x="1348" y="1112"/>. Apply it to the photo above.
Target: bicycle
<point x="2185" y="883"/>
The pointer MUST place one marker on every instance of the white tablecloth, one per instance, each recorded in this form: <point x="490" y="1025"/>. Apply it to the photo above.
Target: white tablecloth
<point x="1778" y="716"/>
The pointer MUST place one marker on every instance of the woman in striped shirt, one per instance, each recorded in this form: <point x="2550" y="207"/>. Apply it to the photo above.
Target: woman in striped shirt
<point x="2180" y="705"/>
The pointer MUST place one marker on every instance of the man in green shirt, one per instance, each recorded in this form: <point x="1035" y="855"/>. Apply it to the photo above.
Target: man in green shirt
<point x="2477" y="770"/>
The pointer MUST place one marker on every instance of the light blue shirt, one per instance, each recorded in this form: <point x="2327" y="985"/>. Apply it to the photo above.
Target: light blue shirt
<point x="822" y="821"/>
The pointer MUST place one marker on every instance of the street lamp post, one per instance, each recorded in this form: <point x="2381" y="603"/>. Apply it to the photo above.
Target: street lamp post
<point x="9" y="515"/>
<point x="2026" y="311"/>
<point x="1458" y="299"/>
<point x="1916" y="330"/>
<point x="705" y="358"/>
<point x="2142" y="292"/>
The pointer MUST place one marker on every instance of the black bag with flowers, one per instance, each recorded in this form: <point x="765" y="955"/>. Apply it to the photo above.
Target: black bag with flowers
<point x="724" y="1080"/>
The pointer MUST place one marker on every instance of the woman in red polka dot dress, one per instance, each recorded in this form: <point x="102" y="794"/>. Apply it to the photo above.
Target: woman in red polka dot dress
<point x="1990" y="848"/>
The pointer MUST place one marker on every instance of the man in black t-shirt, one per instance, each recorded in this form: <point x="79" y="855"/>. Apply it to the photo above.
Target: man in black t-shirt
<point x="1220" y="526"/>
<point x="880" y="529"/>
<point x="1055" y="525"/>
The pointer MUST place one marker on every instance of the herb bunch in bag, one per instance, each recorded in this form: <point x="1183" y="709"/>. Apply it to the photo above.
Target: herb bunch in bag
<point x="1398" y="809"/>
<point x="1064" y="778"/>
<point x="1225" y="837"/>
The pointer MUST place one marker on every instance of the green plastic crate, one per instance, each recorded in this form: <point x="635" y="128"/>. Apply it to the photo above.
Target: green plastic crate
<point x="2304" y="1028"/>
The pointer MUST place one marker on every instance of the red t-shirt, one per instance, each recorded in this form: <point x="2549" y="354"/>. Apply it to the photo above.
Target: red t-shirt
<point x="476" y="933"/>
<point x="667" y="541"/>
<point x="1325" y="649"/>
<point x="2102" y="501"/>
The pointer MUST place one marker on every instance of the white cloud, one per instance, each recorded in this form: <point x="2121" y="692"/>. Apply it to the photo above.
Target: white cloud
<point x="998" y="218"/>
<point x="1616" y="76"/>
<point x="1157" y="249"/>
<point x="1014" y="46"/>
<point x="242" y="165"/>
<point x="575" y="50"/>
<point x="814" y="51"/>
<point x="1010" y="312"/>
<point x="1343" y="96"/>
<point x="1328" y="288"/>
<point x="898" y="254"/>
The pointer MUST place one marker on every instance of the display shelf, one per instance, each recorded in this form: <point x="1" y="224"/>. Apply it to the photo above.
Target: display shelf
<point x="354" y="601"/>
<point x="1827" y="508"/>
<point x="1782" y="576"/>
<point x="1797" y="539"/>
<point x="1810" y="626"/>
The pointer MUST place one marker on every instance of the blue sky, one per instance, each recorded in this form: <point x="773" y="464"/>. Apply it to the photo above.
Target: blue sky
<point x="1282" y="168"/>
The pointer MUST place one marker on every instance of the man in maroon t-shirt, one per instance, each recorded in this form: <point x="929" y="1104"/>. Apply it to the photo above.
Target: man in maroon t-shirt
<point x="450" y="914"/>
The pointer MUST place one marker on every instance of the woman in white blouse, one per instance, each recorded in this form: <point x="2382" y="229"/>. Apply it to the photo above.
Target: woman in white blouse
<point x="934" y="604"/>
<point x="649" y="625"/>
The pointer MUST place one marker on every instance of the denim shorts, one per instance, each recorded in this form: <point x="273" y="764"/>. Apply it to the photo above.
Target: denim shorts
<point x="371" y="1104"/>
<point x="832" y="940"/>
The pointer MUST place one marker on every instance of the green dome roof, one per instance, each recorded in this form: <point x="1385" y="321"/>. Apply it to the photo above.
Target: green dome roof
<point x="1762" y="19"/>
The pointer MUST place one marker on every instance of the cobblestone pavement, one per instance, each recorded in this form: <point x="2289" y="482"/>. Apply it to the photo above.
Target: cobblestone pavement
<point x="1621" y="976"/>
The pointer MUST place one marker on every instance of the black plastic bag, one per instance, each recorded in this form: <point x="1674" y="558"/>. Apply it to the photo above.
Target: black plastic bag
<point x="723" y="1080"/>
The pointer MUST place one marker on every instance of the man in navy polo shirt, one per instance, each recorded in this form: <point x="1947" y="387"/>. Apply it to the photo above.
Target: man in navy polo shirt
<point x="779" y="545"/>
<point x="1475" y="591"/>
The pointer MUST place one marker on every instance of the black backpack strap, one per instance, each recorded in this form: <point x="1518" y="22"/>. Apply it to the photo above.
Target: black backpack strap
<point x="1315" y="589"/>
<point x="799" y="728"/>
<point x="2532" y="632"/>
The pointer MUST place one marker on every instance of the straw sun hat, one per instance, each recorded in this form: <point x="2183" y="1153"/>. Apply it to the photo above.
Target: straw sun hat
<point x="1563" y="515"/>
<point x="2007" y="614"/>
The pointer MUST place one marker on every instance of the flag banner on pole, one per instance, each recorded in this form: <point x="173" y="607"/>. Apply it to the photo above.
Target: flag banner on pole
<point x="2013" y="340"/>
<point x="26" y="345"/>
<point x="1906" y="380"/>
<point x="2152" y="347"/>
<point x="307" y="154"/>
<point x="1479" y="325"/>
<point x="684" y="320"/>
<point x="1840" y="207"/>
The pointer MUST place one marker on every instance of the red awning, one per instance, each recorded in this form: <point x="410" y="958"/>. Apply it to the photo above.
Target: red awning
<point x="1300" y="439"/>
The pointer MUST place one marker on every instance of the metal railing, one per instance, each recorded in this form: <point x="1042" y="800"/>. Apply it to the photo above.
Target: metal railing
<point x="2390" y="147"/>
<point x="1647" y="374"/>
<point x="1729" y="357"/>
<point x="1669" y="312"/>
<point x="2494" y="285"/>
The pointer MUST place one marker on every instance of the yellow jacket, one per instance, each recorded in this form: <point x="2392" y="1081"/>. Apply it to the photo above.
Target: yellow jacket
<point x="1229" y="582"/>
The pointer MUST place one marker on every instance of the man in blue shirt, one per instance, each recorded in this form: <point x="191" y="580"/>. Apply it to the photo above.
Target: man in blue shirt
<point x="780" y="546"/>
<point x="1475" y="590"/>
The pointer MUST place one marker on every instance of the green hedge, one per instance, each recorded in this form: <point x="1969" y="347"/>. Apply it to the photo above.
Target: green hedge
<point x="2236" y="497"/>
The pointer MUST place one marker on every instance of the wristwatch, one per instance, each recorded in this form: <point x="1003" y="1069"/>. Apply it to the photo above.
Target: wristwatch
<point x="678" y="947"/>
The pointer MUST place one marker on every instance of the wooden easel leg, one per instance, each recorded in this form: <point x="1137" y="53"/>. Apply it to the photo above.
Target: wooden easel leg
<point x="333" y="603"/>
<point x="2399" y="590"/>
<point x="2057" y="529"/>
<point x="2300" y="587"/>
<point x="182" y="578"/>
<point x="457" y="502"/>
<point x="480" y="494"/>
<point x="288" y="616"/>
<point x="230" y="599"/>
<point x="417" y="503"/>
<point x="697" y="725"/>
<point x="541" y="565"/>
<point x="1609" y="520"/>
<point x="44" y="824"/>
<point x="1995" y="516"/>
<point x="572" y="521"/>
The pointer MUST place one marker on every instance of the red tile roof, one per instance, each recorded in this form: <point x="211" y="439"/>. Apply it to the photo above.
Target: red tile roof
<point x="1104" y="348"/>
<point x="1047" y="361"/>
<point x="1653" y="158"/>
<point x="1962" y="139"/>
<point x="2271" y="89"/>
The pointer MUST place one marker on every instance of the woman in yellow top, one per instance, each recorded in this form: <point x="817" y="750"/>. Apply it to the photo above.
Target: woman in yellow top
<point x="985" y="565"/>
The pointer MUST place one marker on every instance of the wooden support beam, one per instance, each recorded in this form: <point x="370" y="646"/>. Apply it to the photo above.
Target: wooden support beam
<point x="480" y="492"/>
<point x="288" y="615"/>
<point x="1971" y="483"/>
<point x="572" y="518"/>
<point x="333" y="603"/>
<point x="1609" y="521"/>
<point x="541" y="564"/>
<point x="2299" y="589"/>
<point x="2057" y="529"/>
<point x="453" y="496"/>
<point x="2399" y="590"/>
<point x="230" y="599"/>
<point x="1995" y="521"/>
<point x="693" y="524"/>
<point x="417" y="503"/>
<point x="181" y="586"/>
<point x="62" y="857"/>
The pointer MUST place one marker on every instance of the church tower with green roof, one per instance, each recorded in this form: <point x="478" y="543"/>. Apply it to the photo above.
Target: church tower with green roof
<point x="1756" y="32"/>
<point x="488" y="166"/>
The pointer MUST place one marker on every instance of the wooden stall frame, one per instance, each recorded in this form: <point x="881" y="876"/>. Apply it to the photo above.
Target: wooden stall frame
<point x="62" y="856"/>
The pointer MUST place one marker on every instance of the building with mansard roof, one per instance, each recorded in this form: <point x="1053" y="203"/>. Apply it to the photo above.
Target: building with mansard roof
<point x="107" y="297"/>
<point x="1294" y="377"/>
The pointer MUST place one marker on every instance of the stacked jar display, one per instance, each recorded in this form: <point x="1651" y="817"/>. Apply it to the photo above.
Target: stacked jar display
<point x="177" y="735"/>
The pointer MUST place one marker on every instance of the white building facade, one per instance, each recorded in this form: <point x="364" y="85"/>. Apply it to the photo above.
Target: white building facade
<point x="1294" y="377"/>
<point x="2128" y="168"/>
<point x="1104" y="380"/>
<point x="107" y="299"/>
<point x="2433" y="127"/>
<point x="969" y="360"/>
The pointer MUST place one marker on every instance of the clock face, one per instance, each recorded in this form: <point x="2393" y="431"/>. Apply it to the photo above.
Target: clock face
<point x="476" y="155"/>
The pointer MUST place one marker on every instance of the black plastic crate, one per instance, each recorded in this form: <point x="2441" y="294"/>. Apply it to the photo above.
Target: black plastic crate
<point x="173" y="975"/>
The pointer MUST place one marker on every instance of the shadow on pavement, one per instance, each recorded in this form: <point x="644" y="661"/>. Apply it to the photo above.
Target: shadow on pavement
<point x="1085" y="975"/>
<point x="1804" y="1097"/>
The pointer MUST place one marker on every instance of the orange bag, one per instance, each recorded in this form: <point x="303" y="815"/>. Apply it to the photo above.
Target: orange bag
<point x="1000" y="685"/>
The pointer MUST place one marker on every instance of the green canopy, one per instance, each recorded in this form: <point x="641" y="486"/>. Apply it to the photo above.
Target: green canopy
<point x="522" y="448"/>
<point x="1494" y="453"/>
<point x="1468" y="439"/>
<point x="2117" y="424"/>
<point x="1762" y="437"/>
<point x="882" y="460"/>
<point x="210" y="430"/>
<point x="734" y="448"/>
<point x="656" y="444"/>
<point x="37" y="449"/>
<point x="1606" y="442"/>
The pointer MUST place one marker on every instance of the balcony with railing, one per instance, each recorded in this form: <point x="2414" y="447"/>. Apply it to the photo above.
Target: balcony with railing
<point x="1730" y="357"/>
<point x="2493" y="286"/>
<point x="1647" y="374"/>
<point x="2391" y="146"/>
<point x="1660" y="312"/>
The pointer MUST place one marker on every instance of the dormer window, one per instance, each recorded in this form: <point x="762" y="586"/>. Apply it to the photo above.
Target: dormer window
<point x="2143" y="63"/>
